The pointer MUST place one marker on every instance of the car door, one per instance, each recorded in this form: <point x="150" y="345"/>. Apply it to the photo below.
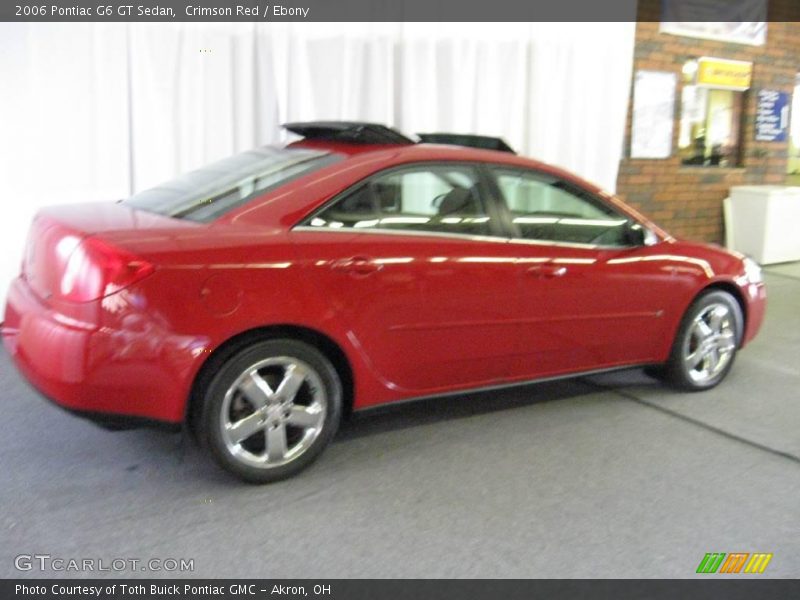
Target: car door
<point x="591" y="299"/>
<point x="414" y="263"/>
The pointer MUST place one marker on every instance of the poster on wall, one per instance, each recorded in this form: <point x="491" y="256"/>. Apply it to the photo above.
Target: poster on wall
<point x="772" y="116"/>
<point x="724" y="74"/>
<point x="738" y="21"/>
<point x="653" y="114"/>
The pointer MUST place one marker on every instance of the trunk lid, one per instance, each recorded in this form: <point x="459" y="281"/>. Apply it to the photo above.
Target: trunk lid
<point x="58" y="232"/>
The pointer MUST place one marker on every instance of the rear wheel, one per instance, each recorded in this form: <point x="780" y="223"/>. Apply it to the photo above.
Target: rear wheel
<point x="271" y="410"/>
<point x="705" y="347"/>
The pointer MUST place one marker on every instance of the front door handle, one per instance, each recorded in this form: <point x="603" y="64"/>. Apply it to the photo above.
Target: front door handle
<point x="357" y="265"/>
<point x="547" y="271"/>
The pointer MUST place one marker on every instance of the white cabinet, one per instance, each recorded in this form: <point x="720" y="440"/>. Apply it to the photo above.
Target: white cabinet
<point x="764" y="222"/>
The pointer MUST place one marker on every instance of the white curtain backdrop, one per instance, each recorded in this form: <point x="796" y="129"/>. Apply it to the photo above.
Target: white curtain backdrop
<point x="95" y="111"/>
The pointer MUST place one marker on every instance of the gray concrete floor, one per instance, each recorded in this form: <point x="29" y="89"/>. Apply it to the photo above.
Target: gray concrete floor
<point x="611" y="476"/>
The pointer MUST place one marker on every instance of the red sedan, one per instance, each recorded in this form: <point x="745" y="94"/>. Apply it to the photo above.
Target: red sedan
<point x="262" y="297"/>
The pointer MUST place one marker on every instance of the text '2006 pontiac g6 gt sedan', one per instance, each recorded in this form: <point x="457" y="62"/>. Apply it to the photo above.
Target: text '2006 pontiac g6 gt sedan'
<point x="259" y="299"/>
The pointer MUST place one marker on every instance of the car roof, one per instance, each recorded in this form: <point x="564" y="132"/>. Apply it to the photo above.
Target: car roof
<point x="408" y="153"/>
<point x="422" y="149"/>
<point x="281" y="209"/>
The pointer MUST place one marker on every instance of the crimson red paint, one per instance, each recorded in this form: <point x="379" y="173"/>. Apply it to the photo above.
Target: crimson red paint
<point x="125" y="326"/>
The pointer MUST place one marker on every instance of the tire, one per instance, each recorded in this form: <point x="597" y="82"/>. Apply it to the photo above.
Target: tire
<point x="705" y="347"/>
<point x="270" y="410"/>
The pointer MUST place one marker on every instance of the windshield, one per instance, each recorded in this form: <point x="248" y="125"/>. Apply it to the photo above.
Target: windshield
<point x="208" y="193"/>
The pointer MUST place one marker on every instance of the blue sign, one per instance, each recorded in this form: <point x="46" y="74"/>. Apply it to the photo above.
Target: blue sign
<point x="772" y="116"/>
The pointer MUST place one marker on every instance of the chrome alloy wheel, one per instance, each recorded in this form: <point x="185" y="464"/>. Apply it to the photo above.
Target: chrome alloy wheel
<point x="711" y="343"/>
<point x="273" y="412"/>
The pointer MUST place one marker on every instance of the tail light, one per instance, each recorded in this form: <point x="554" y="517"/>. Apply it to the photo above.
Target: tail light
<point x="96" y="269"/>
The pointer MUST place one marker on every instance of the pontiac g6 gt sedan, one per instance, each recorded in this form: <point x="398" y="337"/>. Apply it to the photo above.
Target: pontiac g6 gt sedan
<point x="259" y="299"/>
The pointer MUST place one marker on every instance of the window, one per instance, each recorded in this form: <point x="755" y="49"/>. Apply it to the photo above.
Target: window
<point x="442" y="198"/>
<point x="794" y="136"/>
<point x="208" y="193"/>
<point x="548" y="209"/>
<point x="710" y="130"/>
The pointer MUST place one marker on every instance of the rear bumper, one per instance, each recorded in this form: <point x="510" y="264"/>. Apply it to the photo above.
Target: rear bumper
<point x="118" y="366"/>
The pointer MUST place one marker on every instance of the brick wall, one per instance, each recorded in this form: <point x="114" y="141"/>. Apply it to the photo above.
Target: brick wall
<point x="687" y="201"/>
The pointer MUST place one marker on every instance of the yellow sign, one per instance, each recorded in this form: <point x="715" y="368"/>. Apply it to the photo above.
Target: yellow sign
<point x="723" y="73"/>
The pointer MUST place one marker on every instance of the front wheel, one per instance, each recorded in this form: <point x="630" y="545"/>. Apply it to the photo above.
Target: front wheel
<point x="705" y="347"/>
<point x="271" y="410"/>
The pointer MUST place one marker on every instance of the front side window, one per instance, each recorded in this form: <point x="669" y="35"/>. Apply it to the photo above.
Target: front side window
<point x="544" y="208"/>
<point x="435" y="198"/>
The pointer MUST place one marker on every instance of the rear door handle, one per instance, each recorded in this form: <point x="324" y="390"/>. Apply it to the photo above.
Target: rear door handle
<point x="547" y="271"/>
<point x="357" y="265"/>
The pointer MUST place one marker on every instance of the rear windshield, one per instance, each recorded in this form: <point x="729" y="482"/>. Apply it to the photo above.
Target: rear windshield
<point x="212" y="191"/>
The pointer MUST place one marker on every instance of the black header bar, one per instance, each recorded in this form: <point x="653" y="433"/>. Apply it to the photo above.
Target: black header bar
<point x="380" y="10"/>
<point x="743" y="588"/>
<point x="316" y="10"/>
<point x="392" y="10"/>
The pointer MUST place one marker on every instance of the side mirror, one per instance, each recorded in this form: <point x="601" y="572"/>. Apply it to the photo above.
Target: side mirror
<point x="637" y="234"/>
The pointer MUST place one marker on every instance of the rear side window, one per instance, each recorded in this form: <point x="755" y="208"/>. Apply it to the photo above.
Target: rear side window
<point x="429" y="198"/>
<point x="545" y="208"/>
<point x="210" y="192"/>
